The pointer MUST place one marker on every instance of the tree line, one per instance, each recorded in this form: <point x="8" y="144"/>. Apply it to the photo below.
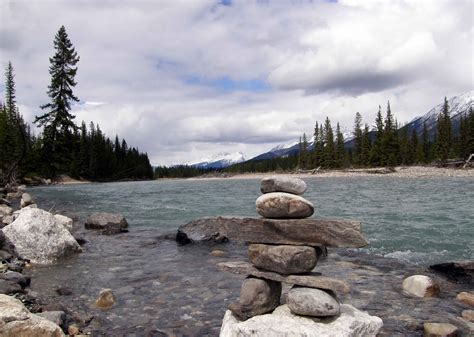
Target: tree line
<point x="62" y="147"/>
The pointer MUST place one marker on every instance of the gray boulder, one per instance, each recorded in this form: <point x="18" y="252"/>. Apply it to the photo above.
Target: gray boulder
<point x="9" y="287"/>
<point x="16" y="320"/>
<point x="26" y="200"/>
<point x="107" y="223"/>
<point x="282" y="323"/>
<point x="312" y="302"/>
<point x="39" y="237"/>
<point x="282" y="184"/>
<point x="16" y="277"/>
<point x="257" y="297"/>
<point x="279" y="205"/>
<point x="56" y="317"/>
<point x="283" y="259"/>
<point x="65" y="221"/>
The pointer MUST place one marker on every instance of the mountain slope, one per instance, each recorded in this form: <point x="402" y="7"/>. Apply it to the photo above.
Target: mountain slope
<point x="220" y="160"/>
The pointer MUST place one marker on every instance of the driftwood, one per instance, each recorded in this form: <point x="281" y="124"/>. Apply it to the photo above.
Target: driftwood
<point x="309" y="231"/>
<point x="307" y="280"/>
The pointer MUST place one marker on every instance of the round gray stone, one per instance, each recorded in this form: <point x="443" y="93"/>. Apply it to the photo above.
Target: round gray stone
<point x="279" y="205"/>
<point x="312" y="302"/>
<point x="282" y="184"/>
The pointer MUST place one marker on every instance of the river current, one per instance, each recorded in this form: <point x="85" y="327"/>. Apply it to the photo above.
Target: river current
<point x="163" y="289"/>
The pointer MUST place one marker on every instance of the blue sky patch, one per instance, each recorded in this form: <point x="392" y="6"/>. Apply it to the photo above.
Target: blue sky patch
<point x="226" y="83"/>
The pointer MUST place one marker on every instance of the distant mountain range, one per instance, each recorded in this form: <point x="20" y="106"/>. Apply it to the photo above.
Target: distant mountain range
<point x="220" y="160"/>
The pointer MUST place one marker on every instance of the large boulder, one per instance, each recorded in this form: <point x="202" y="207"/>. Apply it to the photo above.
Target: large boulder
<point x="39" y="237"/>
<point x="280" y="205"/>
<point x="283" y="259"/>
<point x="312" y="302"/>
<point x="282" y="323"/>
<point x="257" y="297"/>
<point x="65" y="221"/>
<point x="420" y="286"/>
<point x="282" y="184"/>
<point x="107" y="223"/>
<point x="17" y="321"/>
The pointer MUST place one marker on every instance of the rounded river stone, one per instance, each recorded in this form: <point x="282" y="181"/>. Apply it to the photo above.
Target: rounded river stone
<point x="282" y="184"/>
<point x="283" y="259"/>
<point x="312" y="302"/>
<point x="279" y="205"/>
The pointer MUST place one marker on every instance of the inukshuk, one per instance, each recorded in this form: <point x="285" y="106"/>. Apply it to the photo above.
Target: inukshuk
<point x="285" y="246"/>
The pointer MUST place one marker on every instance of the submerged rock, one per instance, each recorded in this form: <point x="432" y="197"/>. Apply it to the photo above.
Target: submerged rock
<point x="257" y="297"/>
<point x="108" y="223"/>
<point x="439" y="330"/>
<point x="420" y="286"/>
<point x="106" y="299"/>
<point x="283" y="259"/>
<point x="280" y="205"/>
<point x="38" y="237"/>
<point x="283" y="184"/>
<point x="459" y="271"/>
<point x="16" y="320"/>
<point x="282" y="323"/>
<point x="466" y="298"/>
<point x="16" y="277"/>
<point x="312" y="302"/>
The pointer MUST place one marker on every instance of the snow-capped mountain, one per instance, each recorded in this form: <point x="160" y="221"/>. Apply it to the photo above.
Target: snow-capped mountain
<point x="458" y="106"/>
<point x="220" y="160"/>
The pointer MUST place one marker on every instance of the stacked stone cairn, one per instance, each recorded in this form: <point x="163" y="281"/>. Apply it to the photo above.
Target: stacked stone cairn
<point x="290" y="260"/>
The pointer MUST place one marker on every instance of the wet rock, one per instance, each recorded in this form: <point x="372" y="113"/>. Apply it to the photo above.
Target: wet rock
<point x="14" y="195"/>
<point x="257" y="297"/>
<point x="105" y="300"/>
<point x="5" y="210"/>
<point x="312" y="302"/>
<point x="420" y="286"/>
<point x="26" y="200"/>
<point x="218" y="253"/>
<point x="64" y="221"/>
<point x="80" y="239"/>
<point x="308" y="232"/>
<point x="73" y="330"/>
<point x="63" y="291"/>
<point x="9" y="287"/>
<point x="5" y="255"/>
<point x="111" y="222"/>
<point x="16" y="320"/>
<point x="466" y="298"/>
<point x="282" y="323"/>
<point x="468" y="315"/>
<point x="283" y="184"/>
<point x="280" y="205"/>
<point x="16" y="277"/>
<point x="56" y="317"/>
<point x="439" y="330"/>
<point x="38" y="237"/>
<point x="6" y="245"/>
<point x="459" y="271"/>
<point x="4" y="201"/>
<point x="310" y="280"/>
<point x="284" y="259"/>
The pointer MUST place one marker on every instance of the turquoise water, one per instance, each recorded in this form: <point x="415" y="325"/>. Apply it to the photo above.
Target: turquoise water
<point x="419" y="221"/>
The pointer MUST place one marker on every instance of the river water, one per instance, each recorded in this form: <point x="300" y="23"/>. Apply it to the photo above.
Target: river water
<point x="162" y="288"/>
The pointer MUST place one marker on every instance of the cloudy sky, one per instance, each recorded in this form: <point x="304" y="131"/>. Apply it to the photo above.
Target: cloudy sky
<point x="184" y="80"/>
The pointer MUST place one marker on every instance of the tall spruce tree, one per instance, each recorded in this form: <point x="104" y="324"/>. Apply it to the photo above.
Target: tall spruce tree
<point x="58" y="121"/>
<point x="376" y="153"/>
<point x="444" y="137"/>
<point x="328" y="152"/>
<point x="365" y="147"/>
<point x="356" y="158"/>
<point x="339" y="152"/>
<point x="390" y="141"/>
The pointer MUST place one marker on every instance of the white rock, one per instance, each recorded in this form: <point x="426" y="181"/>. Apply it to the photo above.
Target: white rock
<point x="282" y="323"/>
<point x="64" y="221"/>
<point x="16" y="320"/>
<point x="420" y="286"/>
<point x="26" y="200"/>
<point x="5" y="210"/>
<point x="39" y="237"/>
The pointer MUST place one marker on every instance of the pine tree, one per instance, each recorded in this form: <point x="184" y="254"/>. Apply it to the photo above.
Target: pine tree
<point x="376" y="153"/>
<point x="390" y="146"/>
<point x="328" y="152"/>
<point x="444" y="137"/>
<point x="356" y="159"/>
<point x="304" y="153"/>
<point x="315" y="153"/>
<point x="470" y="137"/>
<point x="413" y="147"/>
<point x="58" y="120"/>
<point x="366" y="146"/>
<point x="339" y="151"/>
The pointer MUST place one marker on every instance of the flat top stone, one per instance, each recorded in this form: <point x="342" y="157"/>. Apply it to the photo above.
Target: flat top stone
<point x="309" y="280"/>
<point x="282" y="184"/>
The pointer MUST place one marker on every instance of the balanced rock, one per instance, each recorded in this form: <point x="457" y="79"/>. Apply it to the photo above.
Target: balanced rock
<point x="439" y="330"/>
<point x="108" y="223"/>
<point x="257" y="297"/>
<point x="16" y="320"/>
<point x="282" y="184"/>
<point x="466" y="298"/>
<point x="312" y="302"/>
<point x="284" y="259"/>
<point x="420" y="286"/>
<point x="283" y="323"/>
<point x="280" y="205"/>
<point x="26" y="200"/>
<point x="38" y="237"/>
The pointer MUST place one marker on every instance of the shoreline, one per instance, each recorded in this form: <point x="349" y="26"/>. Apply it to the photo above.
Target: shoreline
<point x="398" y="172"/>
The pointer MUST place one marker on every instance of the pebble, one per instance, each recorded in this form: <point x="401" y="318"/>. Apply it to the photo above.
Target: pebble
<point x="439" y="330"/>
<point x="466" y="298"/>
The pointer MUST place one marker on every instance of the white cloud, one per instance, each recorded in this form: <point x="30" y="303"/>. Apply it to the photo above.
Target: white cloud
<point x="316" y="59"/>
